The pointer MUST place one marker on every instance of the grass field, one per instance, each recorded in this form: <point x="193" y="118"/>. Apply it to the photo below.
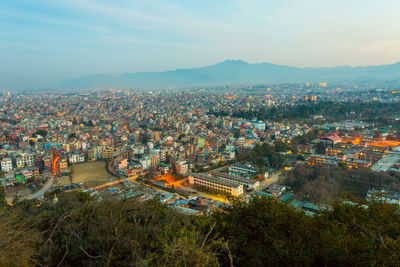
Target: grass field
<point x="91" y="174"/>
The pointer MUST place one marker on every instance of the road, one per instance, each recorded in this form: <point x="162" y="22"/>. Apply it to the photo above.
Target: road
<point x="218" y="198"/>
<point x="46" y="187"/>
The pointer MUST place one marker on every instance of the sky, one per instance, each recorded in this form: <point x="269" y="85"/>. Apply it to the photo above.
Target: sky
<point x="43" y="42"/>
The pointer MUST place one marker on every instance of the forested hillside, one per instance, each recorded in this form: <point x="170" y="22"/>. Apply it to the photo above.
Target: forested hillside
<point x="80" y="231"/>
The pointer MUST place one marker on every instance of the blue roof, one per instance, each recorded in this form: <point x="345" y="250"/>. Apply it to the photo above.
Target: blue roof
<point x="261" y="194"/>
<point x="286" y="198"/>
<point x="310" y="206"/>
<point x="111" y="190"/>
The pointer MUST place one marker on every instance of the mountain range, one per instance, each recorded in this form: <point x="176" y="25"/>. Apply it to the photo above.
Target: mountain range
<point x="236" y="72"/>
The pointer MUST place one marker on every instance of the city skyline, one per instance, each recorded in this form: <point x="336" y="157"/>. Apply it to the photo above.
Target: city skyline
<point x="43" y="43"/>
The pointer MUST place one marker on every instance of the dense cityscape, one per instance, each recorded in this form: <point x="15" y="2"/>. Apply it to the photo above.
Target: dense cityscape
<point x="199" y="133"/>
<point x="192" y="148"/>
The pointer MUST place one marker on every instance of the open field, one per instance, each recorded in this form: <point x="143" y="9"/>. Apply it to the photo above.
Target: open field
<point x="91" y="174"/>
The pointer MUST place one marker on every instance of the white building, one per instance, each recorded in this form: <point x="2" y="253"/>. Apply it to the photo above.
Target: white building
<point x="146" y="162"/>
<point x="245" y="170"/>
<point x="216" y="184"/>
<point x="76" y="158"/>
<point x="249" y="183"/>
<point x="240" y="141"/>
<point x="260" y="126"/>
<point x="24" y="161"/>
<point x="6" y="164"/>
<point x="182" y="167"/>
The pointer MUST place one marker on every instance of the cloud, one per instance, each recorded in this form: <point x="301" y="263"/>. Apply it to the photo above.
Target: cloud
<point x="80" y="37"/>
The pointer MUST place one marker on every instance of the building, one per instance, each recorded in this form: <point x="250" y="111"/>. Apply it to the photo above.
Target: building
<point x="35" y="172"/>
<point x="108" y="153"/>
<point x="92" y="154"/>
<point x="24" y="161"/>
<point x="27" y="174"/>
<point x="344" y="145"/>
<point x="333" y="151"/>
<point x="384" y="196"/>
<point x="155" y="159"/>
<point x="76" y="158"/>
<point x="331" y="139"/>
<point x="133" y="171"/>
<point x="164" y="168"/>
<point x="244" y="170"/>
<point x="275" y="190"/>
<point x="317" y="159"/>
<point x="63" y="165"/>
<point x="182" y="167"/>
<point x="6" y="164"/>
<point x="120" y="163"/>
<point x="372" y="155"/>
<point x="357" y="163"/>
<point x="380" y="149"/>
<point x="128" y="153"/>
<point x="249" y="183"/>
<point x="216" y="184"/>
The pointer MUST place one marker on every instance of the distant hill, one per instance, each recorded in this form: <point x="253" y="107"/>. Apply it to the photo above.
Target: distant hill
<point x="236" y="72"/>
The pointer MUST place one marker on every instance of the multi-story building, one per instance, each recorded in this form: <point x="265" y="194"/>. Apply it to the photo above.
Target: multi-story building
<point x="128" y="153"/>
<point x="333" y="151"/>
<point x="372" y="155"/>
<point x="249" y="183"/>
<point x="108" y="153"/>
<point x="317" y="159"/>
<point x="24" y="161"/>
<point x="120" y="164"/>
<point x="182" y="167"/>
<point x="27" y="174"/>
<point x="155" y="159"/>
<point x="357" y="163"/>
<point x="164" y="168"/>
<point x="35" y="172"/>
<point x="92" y="154"/>
<point x="380" y="149"/>
<point x="344" y="145"/>
<point x="63" y="163"/>
<point x="245" y="170"/>
<point x="6" y="164"/>
<point x="163" y="155"/>
<point x="146" y="162"/>
<point x="76" y="158"/>
<point x="133" y="171"/>
<point x="216" y="184"/>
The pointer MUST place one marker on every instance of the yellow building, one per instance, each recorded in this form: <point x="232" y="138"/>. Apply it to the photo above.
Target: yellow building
<point x="108" y="153"/>
<point x="63" y="165"/>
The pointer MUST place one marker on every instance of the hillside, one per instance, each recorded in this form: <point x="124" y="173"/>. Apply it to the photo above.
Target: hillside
<point x="236" y="72"/>
<point x="81" y="231"/>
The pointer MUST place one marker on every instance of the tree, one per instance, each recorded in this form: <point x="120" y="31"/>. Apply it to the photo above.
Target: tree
<point x="280" y="146"/>
<point x="3" y="201"/>
<point x="81" y="231"/>
<point x="41" y="133"/>
<point x="320" y="149"/>
<point x="265" y="232"/>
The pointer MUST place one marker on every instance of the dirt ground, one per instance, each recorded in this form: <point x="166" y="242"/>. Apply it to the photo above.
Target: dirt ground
<point x="91" y="174"/>
<point x="21" y="190"/>
<point x="62" y="180"/>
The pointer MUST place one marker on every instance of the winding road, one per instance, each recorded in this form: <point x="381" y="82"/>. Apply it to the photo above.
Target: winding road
<point x="43" y="190"/>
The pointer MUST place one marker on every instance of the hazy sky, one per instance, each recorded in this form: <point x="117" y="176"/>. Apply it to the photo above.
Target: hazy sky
<point x="45" y="41"/>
